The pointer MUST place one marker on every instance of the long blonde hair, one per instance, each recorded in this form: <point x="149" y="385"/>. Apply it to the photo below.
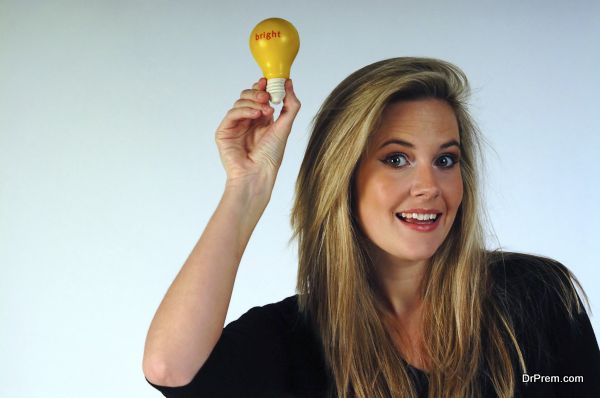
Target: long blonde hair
<point x="336" y="288"/>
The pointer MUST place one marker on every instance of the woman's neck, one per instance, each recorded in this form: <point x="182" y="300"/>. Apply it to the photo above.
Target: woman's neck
<point x="400" y="284"/>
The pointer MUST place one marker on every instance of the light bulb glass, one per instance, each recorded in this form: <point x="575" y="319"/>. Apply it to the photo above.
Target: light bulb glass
<point x="274" y="44"/>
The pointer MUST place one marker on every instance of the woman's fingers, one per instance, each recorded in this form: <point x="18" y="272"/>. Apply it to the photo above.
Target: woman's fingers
<point x="256" y="98"/>
<point x="235" y="115"/>
<point x="255" y="95"/>
<point x="261" y="84"/>
<point x="257" y="92"/>
<point x="252" y="104"/>
<point x="243" y="103"/>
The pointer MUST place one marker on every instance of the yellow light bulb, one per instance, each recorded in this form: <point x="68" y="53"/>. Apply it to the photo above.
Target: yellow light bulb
<point x="274" y="44"/>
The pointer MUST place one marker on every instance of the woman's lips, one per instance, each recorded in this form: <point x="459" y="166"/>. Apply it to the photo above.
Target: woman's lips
<point x="421" y="226"/>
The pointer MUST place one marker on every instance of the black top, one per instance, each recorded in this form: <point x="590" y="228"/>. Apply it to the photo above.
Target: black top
<point x="271" y="352"/>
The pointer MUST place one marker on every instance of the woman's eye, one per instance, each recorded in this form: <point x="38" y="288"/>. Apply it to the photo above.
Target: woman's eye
<point x="446" y="161"/>
<point x="396" y="160"/>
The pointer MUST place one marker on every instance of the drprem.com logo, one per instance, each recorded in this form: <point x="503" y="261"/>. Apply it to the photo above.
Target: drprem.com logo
<point x="535" y="378"/>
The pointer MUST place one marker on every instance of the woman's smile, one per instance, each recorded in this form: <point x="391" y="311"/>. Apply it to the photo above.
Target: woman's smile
<point x="420" y="221"/>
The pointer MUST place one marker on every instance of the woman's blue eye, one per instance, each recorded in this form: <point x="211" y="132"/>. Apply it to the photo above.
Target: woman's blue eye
<point x="396" y="160"/>
<point x="446" y="161"/>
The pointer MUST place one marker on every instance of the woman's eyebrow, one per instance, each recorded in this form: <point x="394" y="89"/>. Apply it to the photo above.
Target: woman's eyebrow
<point x="408" y="144"/>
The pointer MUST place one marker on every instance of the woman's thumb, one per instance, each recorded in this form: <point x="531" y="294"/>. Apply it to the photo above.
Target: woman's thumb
<point x="291" y="106"/>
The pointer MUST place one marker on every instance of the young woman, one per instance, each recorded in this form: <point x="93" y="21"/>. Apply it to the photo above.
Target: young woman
<point x="397" y="295"/>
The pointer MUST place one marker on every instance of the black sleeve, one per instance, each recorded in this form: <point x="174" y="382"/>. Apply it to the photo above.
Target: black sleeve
<point x="578" y="355"/>
<point x="248" y="360"/>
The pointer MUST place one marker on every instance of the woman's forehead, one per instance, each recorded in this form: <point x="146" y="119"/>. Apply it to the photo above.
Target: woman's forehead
<point x="415" y="140"/>
<point x="420" y="122"/>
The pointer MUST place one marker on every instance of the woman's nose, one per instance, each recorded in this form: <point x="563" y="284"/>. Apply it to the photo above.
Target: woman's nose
<point x="425" y="183"/>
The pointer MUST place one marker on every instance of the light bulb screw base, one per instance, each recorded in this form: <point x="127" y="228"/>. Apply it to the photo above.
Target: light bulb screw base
<point x="276" y="87"/>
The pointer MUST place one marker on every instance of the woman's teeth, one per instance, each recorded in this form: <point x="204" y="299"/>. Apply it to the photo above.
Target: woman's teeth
<point x="420" y="217"/>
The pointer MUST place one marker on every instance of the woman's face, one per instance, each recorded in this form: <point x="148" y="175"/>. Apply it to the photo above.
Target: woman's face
<point x="411" y="167"/>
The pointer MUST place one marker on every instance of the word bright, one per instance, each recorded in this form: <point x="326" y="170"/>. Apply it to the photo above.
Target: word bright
<point x="268" y="35"/>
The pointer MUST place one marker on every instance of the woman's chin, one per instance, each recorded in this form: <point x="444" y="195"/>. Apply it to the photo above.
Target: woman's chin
<point x="416" y="254"/>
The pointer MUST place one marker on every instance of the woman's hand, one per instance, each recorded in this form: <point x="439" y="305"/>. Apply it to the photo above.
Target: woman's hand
<point x="250" y="142"/>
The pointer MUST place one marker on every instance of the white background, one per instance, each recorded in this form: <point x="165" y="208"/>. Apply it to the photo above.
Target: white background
<point x="109" y="171"/>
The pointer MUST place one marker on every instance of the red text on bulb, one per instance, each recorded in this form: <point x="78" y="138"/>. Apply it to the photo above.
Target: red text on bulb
<point x="268" y="35"/>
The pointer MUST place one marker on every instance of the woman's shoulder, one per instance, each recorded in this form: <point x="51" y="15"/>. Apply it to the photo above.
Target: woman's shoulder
<point x="281" y="314"/>
<point x="530" y="275"/>
<point x="282" y="318"/>
<point x="283" y="307"/>
<point x="525" y="266"/>
<point x="537" y="291"/>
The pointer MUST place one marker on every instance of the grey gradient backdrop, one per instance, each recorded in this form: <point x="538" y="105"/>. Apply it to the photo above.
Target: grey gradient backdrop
<point x="109" y="171"/>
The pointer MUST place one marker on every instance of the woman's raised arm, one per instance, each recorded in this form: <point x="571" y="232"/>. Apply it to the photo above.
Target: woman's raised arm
<point x="191" y="316"/>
